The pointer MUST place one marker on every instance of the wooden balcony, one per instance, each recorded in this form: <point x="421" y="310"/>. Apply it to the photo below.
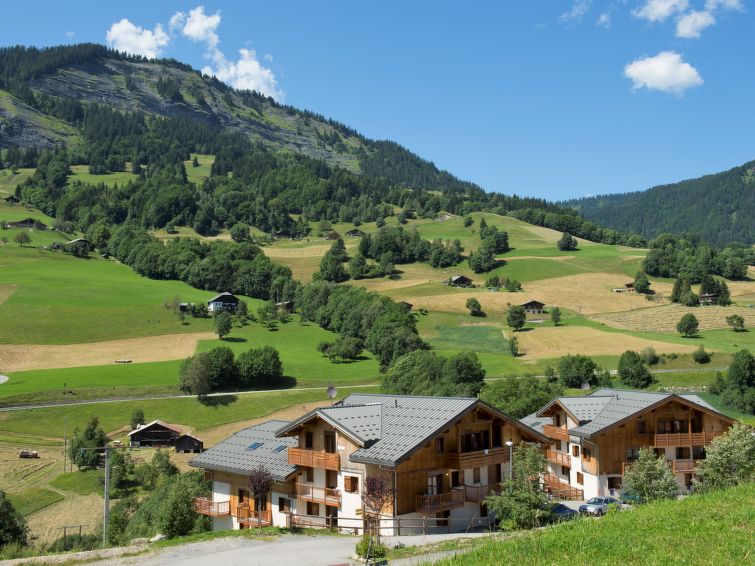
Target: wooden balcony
<point x="314" y="459"/>
<point x="478" y="458"/>
<point x="205" y="506"/>
<point x="685" y="438"/>
<point x="248" y="516"/>
<point x="560" y="489"/>
<point x="556" y="432"/>
<point x="677" y="466"/>
<point x="478" y="493"/>
<point x="317" y="494"/>
<point x="441" y="502"/>
<point x="558" y="458"/>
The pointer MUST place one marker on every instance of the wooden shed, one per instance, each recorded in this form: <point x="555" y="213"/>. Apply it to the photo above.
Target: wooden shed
<point x="188" y="443"/>
<point x="155" y="434"/>
<point x="460" y="281"/>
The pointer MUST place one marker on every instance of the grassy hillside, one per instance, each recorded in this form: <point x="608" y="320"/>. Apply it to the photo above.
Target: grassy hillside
<point x="714" y="529"/>
<point x="719" y="207"/>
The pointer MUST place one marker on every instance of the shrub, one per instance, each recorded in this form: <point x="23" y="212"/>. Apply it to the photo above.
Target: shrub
<point x="650" y="356"/>
<point x="376" y="550"/>
<point x="475" y="309"/>
<point x="577" y="369"/>
<point x="650" y="477"/>
<point x="632" y="370"/>
<point x="700" y="355"/>
<point x="729" y="460"/>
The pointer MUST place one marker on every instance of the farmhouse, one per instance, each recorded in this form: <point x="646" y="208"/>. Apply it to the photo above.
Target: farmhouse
<point x="285" y="306"/>
<point x="12" y="199"/>
<point x="627" y="288"/>
<point x="460" y="281"/>
<point x="223" y="302"/>
<point x="355" y="233"/>
<point x="533" y="307"/>
<point x="708" y="299"/>
<point x="155" y="434"/>
<point x="333" y="235"/>
<point x="594" y="438"/>
<point x="27" y="223"/>
<point x="442" y="456"/>
<point x="188" y="443"/>
<point x="82" y="241"/>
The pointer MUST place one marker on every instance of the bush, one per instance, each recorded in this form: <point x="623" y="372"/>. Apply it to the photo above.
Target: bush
<point x="650" y="356"/>
<point x="377" y="550"/>
<point x="475" y="309"/>
<point x="632" y="370"/>
<point x="13" y="529"/>
<point x="688" y="325"/>
<point x="577" y="369"/>
<point x="700" y="355"/>
<point x="567" y="243"/>
<point x="516" y="317"/>
<point x="260" y="367"/>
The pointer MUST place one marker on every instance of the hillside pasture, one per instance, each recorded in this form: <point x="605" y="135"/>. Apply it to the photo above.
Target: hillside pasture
<point x="664" y="318"/>
<point x="553" y="342"/>
<point x="9" y="180"/>
<point x="21" y="357"/>
<point x="81" y="173"/>
<point x="199" y="174"/>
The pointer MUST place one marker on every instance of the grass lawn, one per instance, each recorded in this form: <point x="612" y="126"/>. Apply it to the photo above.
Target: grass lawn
<point x="80" y="482"/>
<point x="49" y="422"/>
<point x="62" y="300"/>
<point x="31" y="500"/>
<point x="706" y="529"/>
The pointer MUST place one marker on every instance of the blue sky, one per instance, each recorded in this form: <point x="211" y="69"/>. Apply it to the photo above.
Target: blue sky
<point x="555" y="99"/>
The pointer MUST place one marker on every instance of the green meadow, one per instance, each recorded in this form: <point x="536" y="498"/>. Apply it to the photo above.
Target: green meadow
<point x="9" y="179"/>
<point x="81" y="173"/>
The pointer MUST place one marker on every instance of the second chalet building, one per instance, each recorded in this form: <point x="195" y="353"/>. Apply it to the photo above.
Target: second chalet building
<point x="444" y="456"/>
<point x="593" y="438"/>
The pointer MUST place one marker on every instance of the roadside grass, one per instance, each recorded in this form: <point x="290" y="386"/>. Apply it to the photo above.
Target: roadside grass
<point x="257" y="533"/>
<point x="81" y="482"/>
<point x="61" y="299"/>
<point x="31" y="500"/>
<point x="716" y="528"/>
<point x="50" y="422"/>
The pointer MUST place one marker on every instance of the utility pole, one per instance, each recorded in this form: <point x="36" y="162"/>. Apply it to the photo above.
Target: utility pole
<point x="65" y="443"/>
<point x="106" y="510"/>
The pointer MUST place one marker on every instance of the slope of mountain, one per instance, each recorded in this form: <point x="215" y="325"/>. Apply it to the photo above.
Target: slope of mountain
<point x="719" y="207"/>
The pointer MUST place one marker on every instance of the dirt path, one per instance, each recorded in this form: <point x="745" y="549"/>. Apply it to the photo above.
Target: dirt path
<point x="21" y="357"/>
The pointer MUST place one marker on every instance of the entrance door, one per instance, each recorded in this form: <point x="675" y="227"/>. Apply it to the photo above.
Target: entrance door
<point x="435" y="484"/>
<point x="330" y="442"/>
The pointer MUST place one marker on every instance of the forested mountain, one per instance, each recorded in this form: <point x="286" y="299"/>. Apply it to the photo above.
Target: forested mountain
<point x="720" y="208"/>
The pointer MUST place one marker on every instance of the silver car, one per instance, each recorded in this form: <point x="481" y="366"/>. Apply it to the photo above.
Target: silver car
<point x="597" y="505"/>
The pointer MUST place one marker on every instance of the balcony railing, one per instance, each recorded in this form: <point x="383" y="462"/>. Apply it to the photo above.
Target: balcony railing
<point x="558" y="458"/>
<point x="685" y="438"/>
<point x="248" y="516"/>
<point x="211" y="508"/>
<point x="561" y="489"/>
<point x="314" y="459"/>
<point x="478" y="493"/>
<point x="317" y="494"/>
<point x="440" y="502"/>
<point x="478" y="458"/>
<point x="677" y="466"/>
<point x="556" y="432"/>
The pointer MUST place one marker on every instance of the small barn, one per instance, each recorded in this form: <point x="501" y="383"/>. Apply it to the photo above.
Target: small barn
<point x="460" y="281"/>
<point x="12" y="199"/>
<point x="285" y="306"/>
<point x="533" y="307"/>
<point x="629" y="287"/>
<point x="708" y="299"/>
<point x="407" y="306"/>
<point x="27" y="223"/>
<point x="187" y="443"/>
<point x="355" y="233"/>
<point x="155" y="434"/>
<point x="223" y="302"/>
<point x="332" y="235"/>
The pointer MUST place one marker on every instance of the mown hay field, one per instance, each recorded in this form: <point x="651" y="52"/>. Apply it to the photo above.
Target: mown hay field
<point x="665" y="318"/>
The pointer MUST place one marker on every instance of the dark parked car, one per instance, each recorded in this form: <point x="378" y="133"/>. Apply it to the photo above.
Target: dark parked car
<point x="597" y="505"/>
<point x="562" y="513"/>
<point x="631" y="499"/>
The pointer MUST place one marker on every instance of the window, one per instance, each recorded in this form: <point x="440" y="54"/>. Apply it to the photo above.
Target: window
<point x="565" y="471"/>
<point x="575" y="450"/>
<point x="632" y="454"/>
<point x="580" y="478"/>
<point x="455" y="479"/>
<point x="586" y="453"/>
<point x="309" y="474"/>
<point x="330" y="441"/>
<point x="698" y="452"/>
<point x="309" y="440"/>
<point x="351" y="484"/>
<point x="313" y="508"/>
<point x="682" y="453"/>
<point x="475" y="441"/>
<point x="208" y="475"/>
<point x="284" y="505"/>
<point x="614" y="482"/>
<point x="434" y="484"/>
<point x="640" y="427"/>
<point x="558" y="419"/>
<point x="558" y="445"/>
<point x="331" y="479"/>
<point x="280" y="448"/>
<point x="440" y="446"/>
<point x="243" y="496"/>
<point x="254" y="446"/>
<point x="475" y="475"/>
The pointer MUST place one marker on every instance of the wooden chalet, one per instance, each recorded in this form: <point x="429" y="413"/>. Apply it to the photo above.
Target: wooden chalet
<point x="594" y="439"/>
<point x="533" y="307"/>
<point x="355" y="233"/>
<point x="285" y="306"/>
<point x="223" y="302"/>
<point x="332" y="235"/>
<point x="460" y="281"/>
<point x="156" y="434"/>
<point x="12" y="199"/>
<point x="442" y="456"/>
<point x="708" y="299"/>
<point x="27" y="223"/>
<point x="188" y="443"/>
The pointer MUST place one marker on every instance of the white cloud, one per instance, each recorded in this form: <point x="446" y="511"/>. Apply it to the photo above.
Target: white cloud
<point x="660" y="10"/>
<point x="267" y="57"/>
<point x="711" y="5"/>
<point x="245" y="73"/>
<point x="666" y="72"/>
<point x="70" y="34"/>
<point x="690" y="25"/>
<point x="578" y="10"/>
<point x="125" y="36"/>
<point x="604" y="20"/>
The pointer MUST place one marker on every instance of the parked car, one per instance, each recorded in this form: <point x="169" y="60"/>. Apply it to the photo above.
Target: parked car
<point x="562" y="513"/>
<point x="631" y="499"/>
<point x="597" y="505"/>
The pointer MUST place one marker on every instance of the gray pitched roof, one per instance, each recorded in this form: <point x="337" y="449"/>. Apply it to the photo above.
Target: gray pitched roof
<point x="235" y="456"/>
<point x="606" y="407"/>
<point x="535" y="422"/>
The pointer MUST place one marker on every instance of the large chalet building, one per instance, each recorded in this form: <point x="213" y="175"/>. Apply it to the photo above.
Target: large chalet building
<point x="592" y="439"/>
<point x="442" y="455"/>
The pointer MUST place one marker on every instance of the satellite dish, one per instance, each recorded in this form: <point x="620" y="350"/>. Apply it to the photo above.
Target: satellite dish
<point x="585" y="385"/>
<point x="332" y="392"/>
